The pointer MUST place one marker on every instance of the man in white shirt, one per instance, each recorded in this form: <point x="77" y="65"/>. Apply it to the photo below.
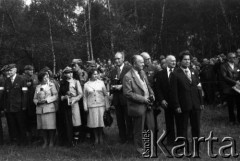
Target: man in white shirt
<point x="163" y="95"/>
<point x="124" y="122"/>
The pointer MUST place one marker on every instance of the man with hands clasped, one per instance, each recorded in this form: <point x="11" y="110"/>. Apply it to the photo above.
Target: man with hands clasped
<point x="140" y="97"/>
<point x="163" y="96"/>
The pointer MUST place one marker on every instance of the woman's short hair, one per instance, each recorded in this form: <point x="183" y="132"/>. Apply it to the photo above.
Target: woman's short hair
<point x="91" y="71"/>
<point x="41" y="75"/>
<point x="183" y="53"/>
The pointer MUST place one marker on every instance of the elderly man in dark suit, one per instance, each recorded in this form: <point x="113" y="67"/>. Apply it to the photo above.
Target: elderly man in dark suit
<point x="139" y="96"/>
<point x="187" y="100"/>
<point x="163" y="96"/>
<point x="124" y="122"/>
<point x="229" y="78"/>
<point x="15" y="91"/>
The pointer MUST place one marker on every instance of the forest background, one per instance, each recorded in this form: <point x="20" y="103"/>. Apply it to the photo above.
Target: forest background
<point x="53" y="32"/>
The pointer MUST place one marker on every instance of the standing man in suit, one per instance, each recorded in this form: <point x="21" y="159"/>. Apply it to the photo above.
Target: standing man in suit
<point x="187" y="100"/>
<point x="124" y="122"/>
<point x="151" y="72"/>
<point x="140" y="97"/>
<point x="229" y="78"/>
<point x="15" y="91"/>
<point x="163" y="95"/>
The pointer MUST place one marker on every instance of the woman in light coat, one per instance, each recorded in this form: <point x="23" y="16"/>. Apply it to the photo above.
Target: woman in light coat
<point x="69" y="113"/>
<point x="45" y="96"/>
<point x="95" y="101"/>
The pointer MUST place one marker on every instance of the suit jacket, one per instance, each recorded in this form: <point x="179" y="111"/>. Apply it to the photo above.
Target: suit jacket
<point x="162" y="87"/>
<point x="228" y="78"/>
<point x="51" y="96"/>
<point x="185" y="94"/>
<point x="2" y="81"/>
<point x="134" y="93"/>
<point x="118" y="97"/>
<point x="15" y="97"/>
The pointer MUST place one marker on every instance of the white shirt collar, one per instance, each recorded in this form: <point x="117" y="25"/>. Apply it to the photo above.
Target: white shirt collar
<point x="231" y="65"/>
<point x="13" y="78"/>
<point x="168" y="71"/>
<point x="136" y="72"/>
<point x="184" y="69"/>
<point x="121" y="67"/>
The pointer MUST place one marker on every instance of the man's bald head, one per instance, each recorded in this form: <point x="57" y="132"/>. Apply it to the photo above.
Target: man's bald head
<point x="138" y="62"/>
<point x="171" y="61"/>
<point x="146" y="57"/>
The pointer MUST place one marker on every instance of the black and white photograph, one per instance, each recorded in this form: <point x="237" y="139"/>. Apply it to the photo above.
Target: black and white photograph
<point x="119" y="80"/>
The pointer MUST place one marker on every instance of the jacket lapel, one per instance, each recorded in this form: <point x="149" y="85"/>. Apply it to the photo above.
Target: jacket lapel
<point x="123" y="71"/>
<point x="136" y="79"/>
<point x="15" y="80"/>
<point x="230" y="70"/>
<point x="165" y="77"/>
<point x="184" y="75"/>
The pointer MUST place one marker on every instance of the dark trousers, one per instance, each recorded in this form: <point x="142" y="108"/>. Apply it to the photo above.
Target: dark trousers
<point x="170" y="126"/>
<point x="1" y="132"/>
<point x="17" y="126"/>
<point x="233" y="100"/>
<point x="140" y="123"/>
<point x="182" y="120"/>
<point x="124" y="123"/>
<point x="83" y="128"/>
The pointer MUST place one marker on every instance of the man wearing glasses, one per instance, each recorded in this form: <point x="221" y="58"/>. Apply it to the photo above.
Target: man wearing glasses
<point x="230" y="78"/>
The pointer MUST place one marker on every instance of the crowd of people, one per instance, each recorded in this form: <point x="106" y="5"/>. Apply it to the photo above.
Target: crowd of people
<point x="70" y="105"/>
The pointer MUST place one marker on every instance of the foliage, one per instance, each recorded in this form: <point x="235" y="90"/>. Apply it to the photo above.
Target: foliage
<point x="205" y="27"/>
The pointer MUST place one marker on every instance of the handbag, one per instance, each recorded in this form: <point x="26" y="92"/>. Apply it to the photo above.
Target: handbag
<point x="107" y="118"/>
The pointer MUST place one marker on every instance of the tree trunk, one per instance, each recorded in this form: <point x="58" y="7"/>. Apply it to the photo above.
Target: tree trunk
<point x="10" y="17"/>
<point x="90" y="29"/>
<point x="111" y="32"/>
<point x="225" y="18"/>
<point x="52" y="47"/>
<point x="87" y="35"/>
<point x="2" y="28"/>
<point x="161" y="27"/>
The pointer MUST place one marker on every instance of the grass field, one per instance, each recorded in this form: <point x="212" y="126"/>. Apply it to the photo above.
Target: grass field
<point x="215" y="120"/>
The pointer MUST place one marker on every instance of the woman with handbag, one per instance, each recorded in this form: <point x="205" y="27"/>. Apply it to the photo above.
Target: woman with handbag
<point x="95" y="101"/>
<point x="44" y="98"/>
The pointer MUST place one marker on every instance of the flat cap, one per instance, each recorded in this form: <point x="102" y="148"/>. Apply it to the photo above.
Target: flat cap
<point x="11" y="66"/>
<point x="28" y="67"/>
<point x="76" y="61"/>
<point x="91" y="63"/>
<point x="4" y="68"/>
<point x="45" y="69"/>
<point x="67" y="70"/>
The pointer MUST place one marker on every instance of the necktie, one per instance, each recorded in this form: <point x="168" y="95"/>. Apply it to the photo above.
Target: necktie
<point x="170" y="72"/>
<point x="118" y="72"/>
<point x="188" y="74"/>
